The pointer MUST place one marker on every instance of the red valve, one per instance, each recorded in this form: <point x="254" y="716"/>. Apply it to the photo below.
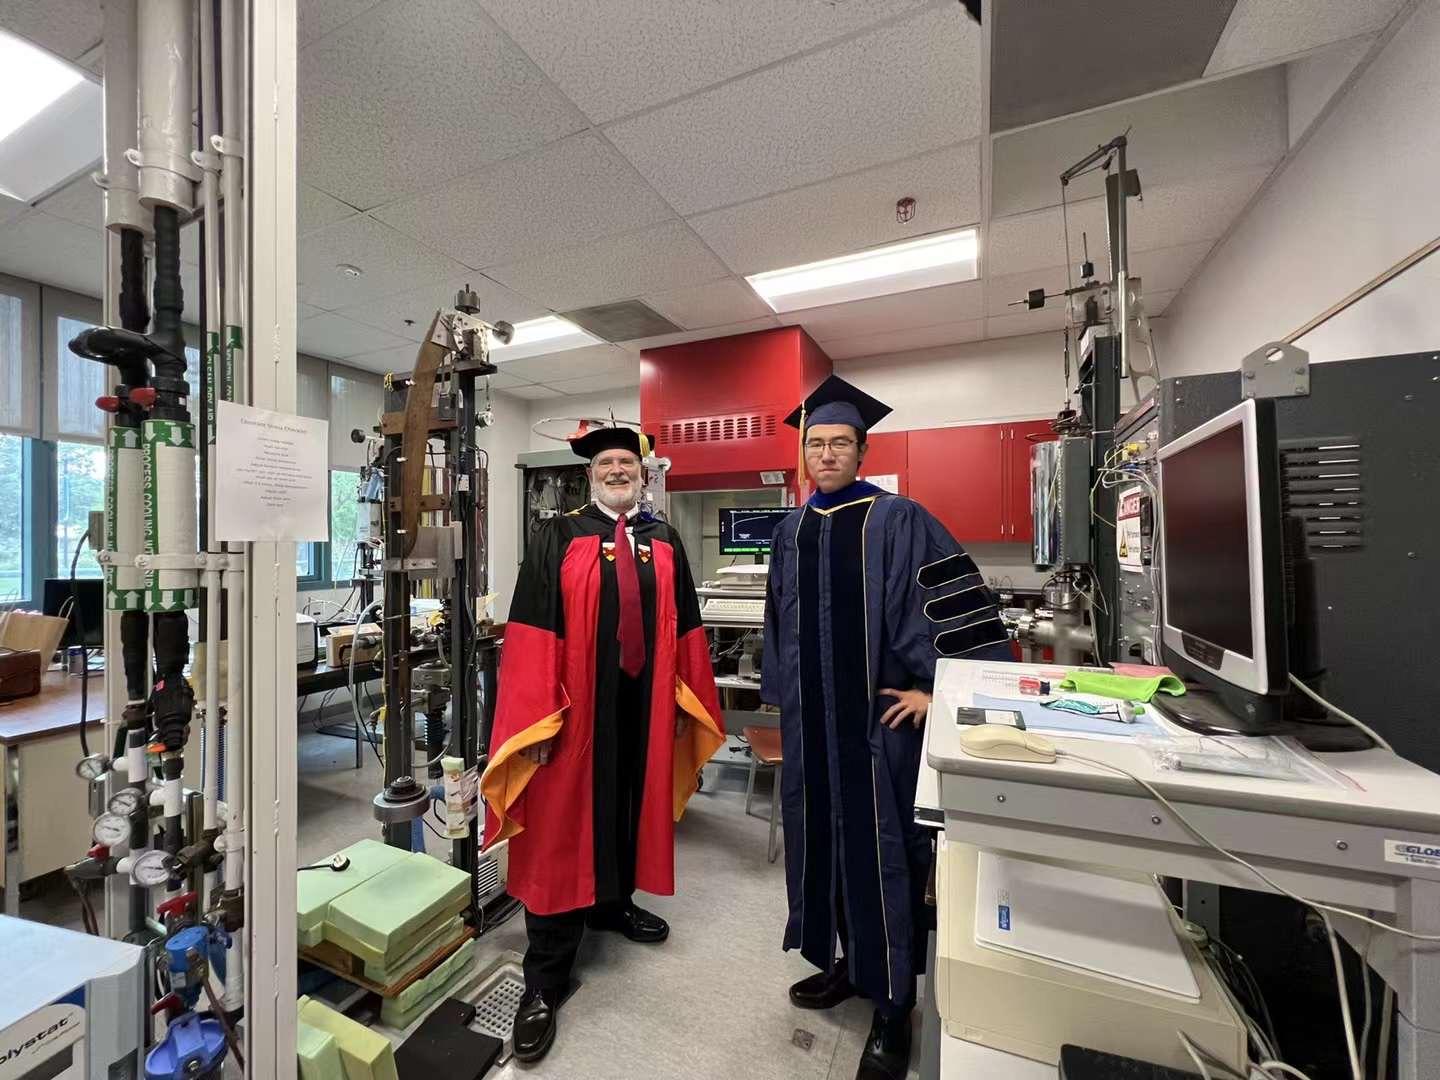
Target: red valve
<point x="176" y="904"/>
<point x="143" y="396"/>
<point x="108" y="403"/>
<point x="99" y="851"/>
<point x="169" y="1003"/>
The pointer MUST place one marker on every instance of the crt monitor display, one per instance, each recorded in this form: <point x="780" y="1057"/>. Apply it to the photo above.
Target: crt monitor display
<point x="745" y="530"/>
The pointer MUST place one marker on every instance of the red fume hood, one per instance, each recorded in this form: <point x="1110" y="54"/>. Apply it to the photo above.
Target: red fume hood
<point x="717" y="407"/>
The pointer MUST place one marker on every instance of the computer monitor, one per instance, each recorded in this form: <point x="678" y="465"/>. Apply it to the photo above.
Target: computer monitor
<point x="89" y="602"/>
<point x="745" y="530"/>
<point x="1222" y="559"/>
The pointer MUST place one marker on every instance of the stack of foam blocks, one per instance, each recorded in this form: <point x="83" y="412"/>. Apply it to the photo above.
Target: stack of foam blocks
<point x="391" y="922"/>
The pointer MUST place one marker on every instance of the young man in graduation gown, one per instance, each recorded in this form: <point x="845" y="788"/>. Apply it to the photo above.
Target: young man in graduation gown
<point x="850" y="660"/>
<point x="606" y="710"/>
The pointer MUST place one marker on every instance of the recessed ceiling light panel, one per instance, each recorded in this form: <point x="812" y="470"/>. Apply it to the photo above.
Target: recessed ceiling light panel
<point x="536" y="337"/>
<point x="941" y="259"/>
<point x="50" y="120"/>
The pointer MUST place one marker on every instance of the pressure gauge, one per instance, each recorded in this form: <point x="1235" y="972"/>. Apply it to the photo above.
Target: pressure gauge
<point x="126" y="801"/>
<point x="150" y="868"/>
<point x="111" y="829"/>
<point x="92" y="768"/>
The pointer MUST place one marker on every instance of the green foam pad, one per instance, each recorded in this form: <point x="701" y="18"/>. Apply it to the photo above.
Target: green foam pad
<point x="318" y="1054"/>
<point x="315" y="889"/>
<point x="385" y="974"/>
<point x="405" y="1008"/>
<point x="385" y="917"/>
<point x="364" y="1054"/>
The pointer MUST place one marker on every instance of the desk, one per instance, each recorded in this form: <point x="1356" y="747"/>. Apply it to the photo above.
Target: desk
<point x="1328" y="844"/>
<point x="39" y="748"/>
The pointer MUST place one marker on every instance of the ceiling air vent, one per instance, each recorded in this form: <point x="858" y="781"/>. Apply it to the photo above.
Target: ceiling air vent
<point x="626" y="321"/>
<point x="1324" y="487"/>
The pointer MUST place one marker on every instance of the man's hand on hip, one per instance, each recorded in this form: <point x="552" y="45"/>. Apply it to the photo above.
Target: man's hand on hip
<point x="539" y="752"/>
<point x="909" y="704"/>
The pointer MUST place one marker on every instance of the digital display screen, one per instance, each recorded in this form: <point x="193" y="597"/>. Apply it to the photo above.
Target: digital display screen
<point x="1206" y="541"/>
<point x="745" y="530"/>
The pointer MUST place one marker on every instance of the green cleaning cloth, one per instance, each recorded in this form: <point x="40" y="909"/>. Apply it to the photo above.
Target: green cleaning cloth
<point x="1124" y="687"/>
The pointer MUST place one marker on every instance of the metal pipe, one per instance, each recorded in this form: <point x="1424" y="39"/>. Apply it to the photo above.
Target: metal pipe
<point x="235" y="779"/>
<point x="120" y="179"/>
<point x="232" y="167"/>
<point x="1122" y="261"/>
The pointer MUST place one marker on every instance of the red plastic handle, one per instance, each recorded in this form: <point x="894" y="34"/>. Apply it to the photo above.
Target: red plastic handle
<point x="169" y="1002"/>
<point x="144" y="396"/>
<point x="176" y="904"/>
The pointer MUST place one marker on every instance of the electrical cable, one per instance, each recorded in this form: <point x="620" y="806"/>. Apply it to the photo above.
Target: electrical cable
<point x="1290" y="1070"/>
<point x="1349" y="1023"/>
<point x="1337" y="711"/>
<point x="219" y="1014"/>
<point x="84" y="650"/>
<point x="1365" y="982"/>
<point x="1387" y="1015"/>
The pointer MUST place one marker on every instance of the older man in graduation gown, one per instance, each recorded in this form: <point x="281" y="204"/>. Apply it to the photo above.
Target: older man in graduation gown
<point x="606" y="710"/>
<point x="850" y="660"/>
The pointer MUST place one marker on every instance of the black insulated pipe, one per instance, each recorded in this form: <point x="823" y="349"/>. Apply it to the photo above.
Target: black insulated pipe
<point x="167" y="330"/>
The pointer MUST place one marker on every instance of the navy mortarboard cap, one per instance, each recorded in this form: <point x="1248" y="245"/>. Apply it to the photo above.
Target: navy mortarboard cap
<point x="600" y="439"/>
<point x="835" y="401"/>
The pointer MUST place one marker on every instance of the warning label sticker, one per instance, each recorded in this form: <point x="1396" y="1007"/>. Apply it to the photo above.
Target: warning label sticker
<point x="1405" y="851"/>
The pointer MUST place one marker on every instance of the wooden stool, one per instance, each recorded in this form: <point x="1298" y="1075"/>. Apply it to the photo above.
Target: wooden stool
<point x="765" y="752"/>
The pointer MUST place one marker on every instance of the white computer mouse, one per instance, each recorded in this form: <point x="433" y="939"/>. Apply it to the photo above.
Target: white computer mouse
<point x="1006" y="743"/>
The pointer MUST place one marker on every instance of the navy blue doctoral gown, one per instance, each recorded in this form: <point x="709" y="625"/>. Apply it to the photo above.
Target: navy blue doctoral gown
<point x="844" y="618"/>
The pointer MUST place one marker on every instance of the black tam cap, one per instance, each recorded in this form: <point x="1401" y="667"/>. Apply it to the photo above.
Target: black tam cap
<point x="597" y="441"/>
<point x="835" y="401"/>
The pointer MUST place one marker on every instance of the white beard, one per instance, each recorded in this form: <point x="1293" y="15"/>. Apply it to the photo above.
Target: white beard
<point x="619" y="500"/>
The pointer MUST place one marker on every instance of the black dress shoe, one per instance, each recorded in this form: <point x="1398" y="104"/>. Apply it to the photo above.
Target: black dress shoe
<point x="822" y="991"/>
<point x="887" y="1050"/>
<point x="635" y="923"/>
<point x="534" y="1030"/>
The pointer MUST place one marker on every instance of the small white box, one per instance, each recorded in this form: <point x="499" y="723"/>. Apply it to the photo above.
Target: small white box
<point x="307" y="639"/>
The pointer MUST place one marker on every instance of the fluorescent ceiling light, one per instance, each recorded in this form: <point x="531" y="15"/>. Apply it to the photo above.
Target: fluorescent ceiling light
<point x="535" y="337"/>
<point x="942" y="259"/>
<point x="50" y="119"/>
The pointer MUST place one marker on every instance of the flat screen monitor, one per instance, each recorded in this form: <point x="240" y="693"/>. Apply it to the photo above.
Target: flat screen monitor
<point x="745" y="530"/>
<point x="89" y="601"/>
<point x="1222" y="566"/>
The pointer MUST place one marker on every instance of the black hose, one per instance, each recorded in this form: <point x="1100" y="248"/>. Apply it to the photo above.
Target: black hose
<point x="84" y="653"/>
<point x="134" y="311"/>
<point x="167" y="331"/>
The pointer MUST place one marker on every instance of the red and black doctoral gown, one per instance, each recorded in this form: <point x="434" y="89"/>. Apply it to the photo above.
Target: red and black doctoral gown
<point x="597" y="821"/>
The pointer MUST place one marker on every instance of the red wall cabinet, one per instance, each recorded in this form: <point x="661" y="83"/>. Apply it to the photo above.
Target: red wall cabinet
<point x="976" y="479"/>
<point x="958" y="475"/>
<point x="888" y="455"/>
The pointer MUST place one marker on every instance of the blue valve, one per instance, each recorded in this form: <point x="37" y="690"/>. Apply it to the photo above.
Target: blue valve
<point x="191" y="1050"/>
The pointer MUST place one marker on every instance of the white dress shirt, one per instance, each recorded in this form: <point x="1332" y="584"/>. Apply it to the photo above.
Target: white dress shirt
<point x="630" y="515"/>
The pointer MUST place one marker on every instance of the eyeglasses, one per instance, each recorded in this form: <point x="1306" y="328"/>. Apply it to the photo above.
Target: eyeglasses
<point x="841" y="445"/>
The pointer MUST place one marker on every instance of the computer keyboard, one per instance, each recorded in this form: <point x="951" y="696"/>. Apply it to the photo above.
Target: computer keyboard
<point x="734" y="608"/>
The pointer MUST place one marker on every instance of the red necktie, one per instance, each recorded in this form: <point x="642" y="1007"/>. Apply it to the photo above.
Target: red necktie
<point x="632" y="625"/>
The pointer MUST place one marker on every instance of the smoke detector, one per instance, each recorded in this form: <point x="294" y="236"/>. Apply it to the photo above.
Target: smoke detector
<point x="349" y="270"/>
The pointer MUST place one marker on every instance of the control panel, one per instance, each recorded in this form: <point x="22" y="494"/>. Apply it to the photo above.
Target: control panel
<point x="1133" y="473"/>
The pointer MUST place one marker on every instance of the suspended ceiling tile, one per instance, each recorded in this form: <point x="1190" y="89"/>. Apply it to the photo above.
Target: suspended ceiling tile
<point x="1036" y="240"/>
<point x="769" y="322"/>
<point x="1167" y="269"/>
<point x="1050" y="59"/>
<point x="1190" y="210"/>
<point x="850" y="213"/>
<point x="1264" y="31"/>
<point x="1312" y="80"/>
<point x="588" y="361"/>
<point x="315" y="209"/>
<point x="1201" y="131"/>
<point x="417" y="92"/>
<point x="713" y="304"/>
<point x="305" y="311"/>
<point x="661" y="257"/>
<point x="572" y="191"/>
<point x="534" y="392"/>
<point x="316" y="18"/>
<point x="328" y="334"/>
<point x="617" y="57"/>
<point x="894" y="92"/>
<point x="80" y="201"/>
<point x="389" y="263"/>
<point x="1046" y="320"/>
<point x="10" y="209"/>
<point x="397" y="358"/>
<point x="507" y="381"/>
<point x="53" y="252"/>
<point x="67" y="28"/>
<point x="389" y="313"/>
<point x="596" y="384"/>
<point x="891" y="314"/>
<point x="1000" y="292"/>
<point x="906" y="339"/>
